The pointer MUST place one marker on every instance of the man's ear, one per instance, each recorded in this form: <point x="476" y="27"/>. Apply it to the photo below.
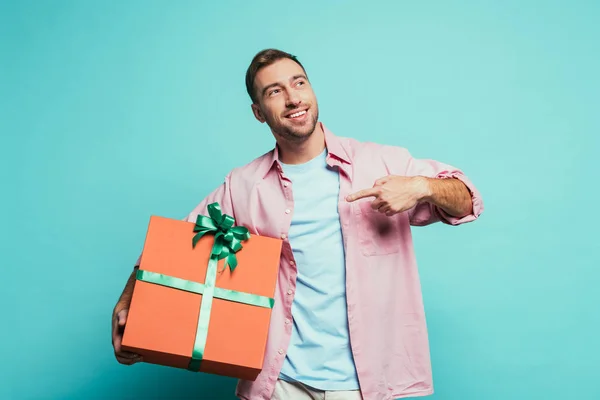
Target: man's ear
<point x="257" y="113"/>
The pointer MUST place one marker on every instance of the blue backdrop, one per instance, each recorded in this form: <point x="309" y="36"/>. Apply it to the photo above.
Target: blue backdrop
<point x="107" y="106"/>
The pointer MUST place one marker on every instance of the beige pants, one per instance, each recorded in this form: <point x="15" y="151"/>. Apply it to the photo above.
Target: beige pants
<point x="297" y="391"/>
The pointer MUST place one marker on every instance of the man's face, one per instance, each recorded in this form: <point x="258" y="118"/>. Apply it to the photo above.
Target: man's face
<point x="286" y="101"/>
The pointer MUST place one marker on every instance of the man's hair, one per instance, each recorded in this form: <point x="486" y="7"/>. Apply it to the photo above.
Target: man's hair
<point x="263" y="59"/>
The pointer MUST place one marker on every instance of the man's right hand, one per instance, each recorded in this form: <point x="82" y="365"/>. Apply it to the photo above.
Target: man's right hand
<point x="118" y="326"/>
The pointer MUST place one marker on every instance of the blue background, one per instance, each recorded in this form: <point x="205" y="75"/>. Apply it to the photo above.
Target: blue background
<point x="107" y="107"/>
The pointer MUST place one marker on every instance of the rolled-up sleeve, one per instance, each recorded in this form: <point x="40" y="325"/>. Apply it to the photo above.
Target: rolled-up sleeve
<point x="220" y="195"/>
<point x="426" y="213"/>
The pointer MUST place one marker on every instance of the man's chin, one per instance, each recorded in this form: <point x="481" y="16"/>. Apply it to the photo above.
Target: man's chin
<point x="300" y="134"/>
<point x="302" y="131"/>
<point x="295" y="132"/>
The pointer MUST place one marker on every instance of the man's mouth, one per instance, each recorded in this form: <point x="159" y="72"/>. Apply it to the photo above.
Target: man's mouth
<point x="298" y="115"/>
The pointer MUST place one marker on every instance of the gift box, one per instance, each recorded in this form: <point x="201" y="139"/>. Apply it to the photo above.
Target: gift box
<point x="203" y="296"/>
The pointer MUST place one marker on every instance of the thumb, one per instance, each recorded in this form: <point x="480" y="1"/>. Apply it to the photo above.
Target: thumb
<point x="122" y="316"/>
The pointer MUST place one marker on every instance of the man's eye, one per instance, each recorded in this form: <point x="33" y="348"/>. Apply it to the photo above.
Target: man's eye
<point x="300" y="83"/>
<point x="274" y="91"/>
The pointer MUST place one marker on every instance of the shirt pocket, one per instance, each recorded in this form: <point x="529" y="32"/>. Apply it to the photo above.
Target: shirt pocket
<point x="377" y="233"/>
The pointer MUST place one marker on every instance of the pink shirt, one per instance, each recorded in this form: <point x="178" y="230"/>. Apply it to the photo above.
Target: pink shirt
<point x="385" y="310"/>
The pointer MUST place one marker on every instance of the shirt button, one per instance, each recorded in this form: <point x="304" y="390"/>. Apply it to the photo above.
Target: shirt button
<point x="288" y="211"/>
<point x="285" y="184"/>
<point x="283" y="236"/>
<point x="292" y="262"/>
<point x="290" y="291"/>
<point x="280" y="351"/>
<point x="287" y="321"/>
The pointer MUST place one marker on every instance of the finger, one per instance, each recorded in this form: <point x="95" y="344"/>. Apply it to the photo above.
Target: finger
<point x="390" y="212"/>
<point x="123" y="360"/>
<point x="377" y="204"/>
<point x="115" y="326"/>
<point x="116" y="337"/>
<point x="127" y="354"/>
<point x="122" y="316"/>
<point x="116" y="341"/>
<point x="362" y="194"/>
<point x="384" y="208"/>
<point x="381" y="181"/>
<point x="129" y="361"/>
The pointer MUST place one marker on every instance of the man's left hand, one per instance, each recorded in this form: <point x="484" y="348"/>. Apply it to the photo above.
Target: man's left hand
<point x="395" y="194"/>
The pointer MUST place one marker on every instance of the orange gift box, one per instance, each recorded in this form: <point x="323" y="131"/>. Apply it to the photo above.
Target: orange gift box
<point x="190" y="309"/>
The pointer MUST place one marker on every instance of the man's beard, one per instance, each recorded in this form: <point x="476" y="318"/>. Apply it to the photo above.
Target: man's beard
<point x="298" y="134"/>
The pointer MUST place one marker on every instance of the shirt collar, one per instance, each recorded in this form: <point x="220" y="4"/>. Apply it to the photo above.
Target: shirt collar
<point x="334" y="146"/>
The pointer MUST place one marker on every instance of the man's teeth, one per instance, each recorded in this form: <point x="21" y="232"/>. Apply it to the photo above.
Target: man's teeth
<point x="298" y="114"/>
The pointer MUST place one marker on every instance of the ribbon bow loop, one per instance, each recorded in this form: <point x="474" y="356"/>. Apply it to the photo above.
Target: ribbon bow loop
<point x="228" y="238"/>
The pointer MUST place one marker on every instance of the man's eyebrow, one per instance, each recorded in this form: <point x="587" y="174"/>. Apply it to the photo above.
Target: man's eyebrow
<point x="298" y="77"/>
<point x="269" y="87"/>
<point x="293" y="78"/>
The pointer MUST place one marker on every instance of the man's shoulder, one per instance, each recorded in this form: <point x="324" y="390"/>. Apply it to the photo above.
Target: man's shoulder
<point x="372" y="155"/>
<point x="254" y="169"/>
<point x="369" y="147"/>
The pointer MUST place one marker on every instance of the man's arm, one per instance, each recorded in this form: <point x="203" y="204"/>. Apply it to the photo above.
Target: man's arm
<point x="428" y="190"/>
<point x="444" y="204"/>
<point x="451" y="195"/>
<point x="395" y="194"/>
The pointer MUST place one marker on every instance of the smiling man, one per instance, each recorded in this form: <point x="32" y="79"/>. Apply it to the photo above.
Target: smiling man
<point x="348" y="320"/>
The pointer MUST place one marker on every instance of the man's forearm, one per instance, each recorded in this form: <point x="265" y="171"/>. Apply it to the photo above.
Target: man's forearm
<point x="450" y="194"/>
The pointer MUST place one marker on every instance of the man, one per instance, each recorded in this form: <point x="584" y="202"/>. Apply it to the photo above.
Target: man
<point x="348" y="320"/>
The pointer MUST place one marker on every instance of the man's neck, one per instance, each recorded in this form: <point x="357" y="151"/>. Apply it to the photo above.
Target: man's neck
<point x="300" y="153"/>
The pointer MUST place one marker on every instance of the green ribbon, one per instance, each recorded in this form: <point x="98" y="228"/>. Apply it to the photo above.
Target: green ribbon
<point x="228" y="238"/>
<point x="228" y="241"/>
<point x="198" y="288"/>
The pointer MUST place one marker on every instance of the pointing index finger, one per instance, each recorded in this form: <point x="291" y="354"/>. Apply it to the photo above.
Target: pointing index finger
<point x="362" y="194"/>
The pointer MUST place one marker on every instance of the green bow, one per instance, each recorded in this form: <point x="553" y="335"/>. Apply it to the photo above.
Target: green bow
<point x="228" y="238"/>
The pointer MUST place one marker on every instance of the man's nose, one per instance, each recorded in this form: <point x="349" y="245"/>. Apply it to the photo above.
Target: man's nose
<point x="293" y="100"/>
